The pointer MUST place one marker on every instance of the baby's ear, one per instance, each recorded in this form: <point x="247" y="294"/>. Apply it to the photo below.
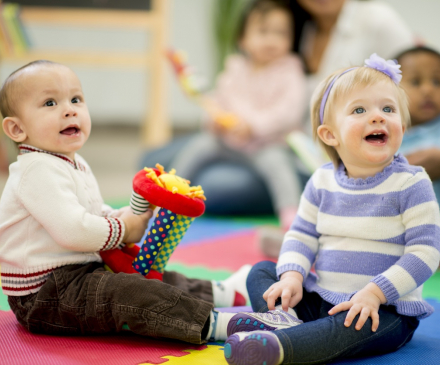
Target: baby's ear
<point x="326" y="135"/>
<point x="12" y="128"/>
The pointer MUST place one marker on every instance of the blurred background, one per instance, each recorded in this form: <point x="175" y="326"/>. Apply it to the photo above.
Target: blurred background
<point x="107" y="51"/>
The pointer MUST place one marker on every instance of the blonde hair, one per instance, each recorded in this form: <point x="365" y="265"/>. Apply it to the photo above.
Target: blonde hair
<point x="360" y="76"/>
<point x="11" y="87"/>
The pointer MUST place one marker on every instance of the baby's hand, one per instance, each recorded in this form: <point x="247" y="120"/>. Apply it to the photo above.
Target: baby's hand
<point x="289" y="288"/>
<point x="118" y="213"/>
<point x="135" y="225"/>
<point x="366" y="303"/>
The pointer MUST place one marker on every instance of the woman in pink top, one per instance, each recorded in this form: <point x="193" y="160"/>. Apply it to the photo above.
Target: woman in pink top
<point x="263" y="88"/>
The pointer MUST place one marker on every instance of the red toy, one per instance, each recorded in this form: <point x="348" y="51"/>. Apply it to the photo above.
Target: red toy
<point x="179" y="204"/>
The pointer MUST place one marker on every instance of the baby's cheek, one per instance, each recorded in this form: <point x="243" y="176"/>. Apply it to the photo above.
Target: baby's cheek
<point x="354" y="135"/>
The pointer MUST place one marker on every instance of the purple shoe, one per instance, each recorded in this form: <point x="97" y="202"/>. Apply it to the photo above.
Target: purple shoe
<point x="259" y="347"/>
<point x="269" y="321"/>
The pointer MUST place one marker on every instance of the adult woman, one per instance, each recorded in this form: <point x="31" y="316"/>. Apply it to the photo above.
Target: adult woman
<point x="332" y="34"/>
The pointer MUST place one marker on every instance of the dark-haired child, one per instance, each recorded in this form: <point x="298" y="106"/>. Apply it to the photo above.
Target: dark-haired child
<point x="53" y="223"/>
<point x="421" y="81"/>
<point x="263" y="87"/>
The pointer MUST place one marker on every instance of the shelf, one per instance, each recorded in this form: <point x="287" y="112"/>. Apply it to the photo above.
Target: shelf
<point x="136" y="60"/>
<point x="155" y="129"/>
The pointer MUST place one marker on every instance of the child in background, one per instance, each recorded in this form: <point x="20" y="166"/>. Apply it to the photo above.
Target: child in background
<point x="368" y="221"/>
<point x="53" y="223"/>
<point x="421" y="81"/>
<point x="263" y="88"/>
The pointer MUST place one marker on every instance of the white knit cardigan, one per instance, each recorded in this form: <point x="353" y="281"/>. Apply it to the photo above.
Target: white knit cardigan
<point x="51" y="214"/>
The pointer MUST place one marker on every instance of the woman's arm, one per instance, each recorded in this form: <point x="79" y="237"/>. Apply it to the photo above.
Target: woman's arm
<point x="429" y="159"/>
<point x="390" y="33"/>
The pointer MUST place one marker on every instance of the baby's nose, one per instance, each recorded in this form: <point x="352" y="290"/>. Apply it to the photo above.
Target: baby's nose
<point x="379" y="119"/>
<point x="70" y="113"/>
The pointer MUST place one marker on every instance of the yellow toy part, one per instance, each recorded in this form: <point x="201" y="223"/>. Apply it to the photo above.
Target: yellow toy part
<point x="227" y="120"/>
<point x="175" y="184"/>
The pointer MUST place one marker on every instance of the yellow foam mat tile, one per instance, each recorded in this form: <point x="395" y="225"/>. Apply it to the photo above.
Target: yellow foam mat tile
<point x="213" y="355"/>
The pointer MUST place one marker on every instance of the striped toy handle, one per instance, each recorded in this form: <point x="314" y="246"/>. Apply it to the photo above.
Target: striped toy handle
<point x="138" y="204"/>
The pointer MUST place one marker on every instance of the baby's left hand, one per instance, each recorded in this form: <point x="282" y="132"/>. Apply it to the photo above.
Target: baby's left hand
<point x="366" y="303"/>
<point x="117" y="213"/>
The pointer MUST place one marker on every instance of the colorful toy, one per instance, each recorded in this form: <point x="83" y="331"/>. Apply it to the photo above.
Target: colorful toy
<point x="188" y="83"/>
<point x="179" y="205"/>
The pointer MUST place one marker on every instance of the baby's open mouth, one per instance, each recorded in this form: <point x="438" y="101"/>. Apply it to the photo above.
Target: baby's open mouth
<point x="70" y="131"/>
<point x="377" y="138"/>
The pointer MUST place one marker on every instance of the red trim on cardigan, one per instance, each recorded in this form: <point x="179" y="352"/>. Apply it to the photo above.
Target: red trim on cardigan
<point x="23" y="289"/>
<point x="8" y="275"/>
<point x="110" y="234"/>
<point x="120" y="229"/>
<point x="74" y="164"/>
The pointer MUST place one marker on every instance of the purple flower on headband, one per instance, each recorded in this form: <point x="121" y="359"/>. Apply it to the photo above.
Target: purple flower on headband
<point x="388" y="67"/>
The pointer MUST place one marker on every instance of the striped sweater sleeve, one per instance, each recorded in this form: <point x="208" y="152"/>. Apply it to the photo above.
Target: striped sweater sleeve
<point x="421" y="219"/>
<point x="300" y="243"/>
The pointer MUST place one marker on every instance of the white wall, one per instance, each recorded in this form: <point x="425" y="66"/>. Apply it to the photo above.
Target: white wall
<point x="118" y="95"/>
<point x="422" y="16"/>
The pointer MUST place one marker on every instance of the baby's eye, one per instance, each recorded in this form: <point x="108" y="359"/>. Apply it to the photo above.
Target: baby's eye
<point x="436" y="82"/>
<point x="50" y="103"/>
<point x="75" y="100"/>
<point x="415" y="82"/>
<point x="387" y="109"/>
<point x="359" y="111"/>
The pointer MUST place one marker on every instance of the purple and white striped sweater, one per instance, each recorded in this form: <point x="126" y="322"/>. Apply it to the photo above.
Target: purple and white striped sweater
<point x="384" y="229"/>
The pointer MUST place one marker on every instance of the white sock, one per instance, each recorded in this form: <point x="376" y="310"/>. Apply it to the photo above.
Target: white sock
<point x="224" y="292"/>
<point x="218" y="325"/>
<point x="289" y="310"/>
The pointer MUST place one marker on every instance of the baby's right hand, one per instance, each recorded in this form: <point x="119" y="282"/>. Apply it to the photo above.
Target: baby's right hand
<point x="135" y="225"/>
<point x="289" y="288"/>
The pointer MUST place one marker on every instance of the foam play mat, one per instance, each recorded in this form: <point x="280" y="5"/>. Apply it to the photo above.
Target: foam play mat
<point x="211" y="249"/>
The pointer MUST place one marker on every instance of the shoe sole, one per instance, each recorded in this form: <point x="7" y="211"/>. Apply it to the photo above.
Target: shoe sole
<point x="244" y="323"/>
<point x="255" y="349"/>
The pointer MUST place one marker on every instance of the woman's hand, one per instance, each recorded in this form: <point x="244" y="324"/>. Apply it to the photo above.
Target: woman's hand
<point x="366" y="303"/>
<point x="289" y="288"/>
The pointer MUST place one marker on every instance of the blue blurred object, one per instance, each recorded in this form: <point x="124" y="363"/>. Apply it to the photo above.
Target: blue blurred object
<point x="230" y="188"/>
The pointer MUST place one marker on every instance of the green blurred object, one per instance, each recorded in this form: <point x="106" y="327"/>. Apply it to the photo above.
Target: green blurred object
<point x="431" y="287"/>
<point x="199" y="272"/>
<point x="4" y="305"/>
<point x="227" y="15"/>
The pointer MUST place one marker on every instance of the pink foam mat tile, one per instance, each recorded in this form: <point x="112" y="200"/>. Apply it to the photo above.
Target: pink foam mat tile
<point x="19" y="347"/>
<point x="225" y="253"/>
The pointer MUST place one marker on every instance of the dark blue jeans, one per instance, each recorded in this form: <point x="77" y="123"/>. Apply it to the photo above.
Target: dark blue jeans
<point x="323" y="338"/>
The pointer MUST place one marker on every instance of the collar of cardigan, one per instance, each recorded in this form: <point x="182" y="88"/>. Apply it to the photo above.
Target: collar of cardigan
<point x="24" y="148"/>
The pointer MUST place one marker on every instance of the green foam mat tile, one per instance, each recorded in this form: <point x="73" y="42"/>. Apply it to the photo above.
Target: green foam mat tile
<point x="431" y="288"/>
<point x="199" y="272"/>
<point x="4" y="305"/>
<point x="256" y="220"/>
<point x="118" y="203"/>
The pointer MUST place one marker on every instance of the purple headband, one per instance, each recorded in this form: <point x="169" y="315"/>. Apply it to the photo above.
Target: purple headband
<point x="389" y="67"/>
